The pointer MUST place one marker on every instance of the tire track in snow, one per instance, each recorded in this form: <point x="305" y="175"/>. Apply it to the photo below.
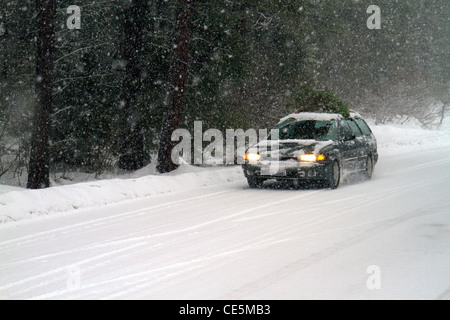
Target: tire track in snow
<point x="73" y="229"/>
<point x="189" y="263"/>
<point x="257" y="285"/>
<point x="379" y="227"/>
<point x="104" y="220"/>
<point x="237" y="214"/>
<point x="141" y="241"/>
<point x="159" y="274"/>
<point x="134" y="287"/>
<point x="421" y="166"/>
<point x="62" y="269"/>
<point x="355" y="202"/>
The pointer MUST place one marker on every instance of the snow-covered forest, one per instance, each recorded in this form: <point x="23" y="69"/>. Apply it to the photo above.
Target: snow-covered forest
<point x="112" y="74"/>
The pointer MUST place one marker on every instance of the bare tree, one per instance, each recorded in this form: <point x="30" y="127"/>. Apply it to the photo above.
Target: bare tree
<point x="38" y="173"/>
<point x="179" y="72"/>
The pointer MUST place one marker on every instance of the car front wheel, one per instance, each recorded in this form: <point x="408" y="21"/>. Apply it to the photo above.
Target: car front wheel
<point x="335" y="175"/>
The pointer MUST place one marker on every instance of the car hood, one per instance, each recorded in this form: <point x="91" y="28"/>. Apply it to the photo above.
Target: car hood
<point x="288" y="148"/>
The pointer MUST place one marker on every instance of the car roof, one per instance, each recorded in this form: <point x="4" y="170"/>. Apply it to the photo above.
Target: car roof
<point x="318" y="116"/>
<point x="354" y="114"/>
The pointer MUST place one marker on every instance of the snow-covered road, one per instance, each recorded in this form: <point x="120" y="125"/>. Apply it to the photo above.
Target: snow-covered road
<point x="388" y="238"/>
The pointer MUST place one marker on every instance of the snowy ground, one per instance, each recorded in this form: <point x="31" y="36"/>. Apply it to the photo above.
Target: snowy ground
<point x="149" y="238"/>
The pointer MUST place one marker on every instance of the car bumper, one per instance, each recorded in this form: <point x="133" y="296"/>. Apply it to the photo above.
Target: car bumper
<point x="287" y="171"/>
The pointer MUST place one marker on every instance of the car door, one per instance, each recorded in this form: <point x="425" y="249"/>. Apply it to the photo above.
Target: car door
<point x="348" y="147"/>
<point x="361" y="150"/>
<point x="371" y="142"/>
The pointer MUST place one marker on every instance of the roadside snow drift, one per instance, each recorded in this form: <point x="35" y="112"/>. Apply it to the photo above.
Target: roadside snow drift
<point x="17" y="205"/>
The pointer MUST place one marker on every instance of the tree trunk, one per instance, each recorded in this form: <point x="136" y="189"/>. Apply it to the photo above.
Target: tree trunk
<point x="38" y="173"/>
<point x="173" y="118"/>
<point x="132" y="149"/>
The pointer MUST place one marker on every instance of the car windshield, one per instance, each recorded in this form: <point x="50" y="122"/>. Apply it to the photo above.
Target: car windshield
<point x="308" y="130"/>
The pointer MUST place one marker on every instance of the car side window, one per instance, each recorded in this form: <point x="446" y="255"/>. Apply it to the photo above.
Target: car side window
<point x="355" y="129"/>
<point x="332" y="132"/>
<point x="344" y="129"/>
<point x="363" y="126"/>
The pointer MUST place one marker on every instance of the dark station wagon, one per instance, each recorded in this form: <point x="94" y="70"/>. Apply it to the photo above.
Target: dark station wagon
<point x="313" y="147"/>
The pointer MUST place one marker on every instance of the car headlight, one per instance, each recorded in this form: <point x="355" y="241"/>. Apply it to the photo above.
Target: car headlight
<point x="252" y="157"/>
<point x="312" y="157"/>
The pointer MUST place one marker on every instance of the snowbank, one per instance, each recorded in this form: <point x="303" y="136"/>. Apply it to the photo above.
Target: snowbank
<point x="5" y="188"/>
<point x="17" y="204"/>
<point x="395" y="138"/>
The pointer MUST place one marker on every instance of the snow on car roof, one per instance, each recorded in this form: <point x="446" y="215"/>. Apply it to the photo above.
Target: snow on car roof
<point x="312" y="116"/>
<point x="354" y="114"/>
